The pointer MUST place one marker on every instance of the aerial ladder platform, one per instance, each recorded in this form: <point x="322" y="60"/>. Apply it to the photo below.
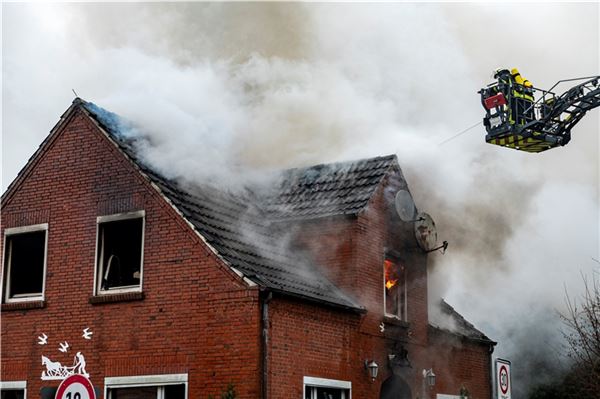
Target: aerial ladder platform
<point x="526" y="118"/>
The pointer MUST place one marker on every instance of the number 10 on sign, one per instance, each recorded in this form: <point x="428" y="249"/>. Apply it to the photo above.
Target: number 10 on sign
<point x="75" y="387"/>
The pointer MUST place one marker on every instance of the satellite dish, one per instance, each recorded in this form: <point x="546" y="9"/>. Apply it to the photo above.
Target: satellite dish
<point x="425" y="232"/>
<point x="405" y="206"/>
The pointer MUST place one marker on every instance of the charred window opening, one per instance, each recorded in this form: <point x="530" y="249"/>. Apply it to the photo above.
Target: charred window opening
<point x="395" y="289"/>
<point x="176" y="391"/>
<point x="24" y="263"/>
<point x="120" y="242"/>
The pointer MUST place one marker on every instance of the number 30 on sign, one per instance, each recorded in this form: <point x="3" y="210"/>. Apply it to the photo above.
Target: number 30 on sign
<point x="75" y="387"/>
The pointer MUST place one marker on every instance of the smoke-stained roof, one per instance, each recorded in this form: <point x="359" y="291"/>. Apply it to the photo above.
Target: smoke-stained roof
<point x="447" y="319"/>
<point x="243" y="234"/>
<point x="328" y="189"/>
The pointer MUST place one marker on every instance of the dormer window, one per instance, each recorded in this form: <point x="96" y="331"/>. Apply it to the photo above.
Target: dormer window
<point x="120" y="253"/>
<point x="394" y="286"/>
<point x="25" y="263"/>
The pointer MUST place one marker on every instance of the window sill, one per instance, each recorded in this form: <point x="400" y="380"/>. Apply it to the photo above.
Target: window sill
<point x="112" y="298"/>
<point x="396" y="329"/>
<point x="24" y="305"/>
<point x="395" y="321"/>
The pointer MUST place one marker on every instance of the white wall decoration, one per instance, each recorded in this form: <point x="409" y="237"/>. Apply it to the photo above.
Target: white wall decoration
<point x="55" y="370"/>
<point x="87" y="334"/>
<point x="42" y="339"/>
<point x="64" y="347"/>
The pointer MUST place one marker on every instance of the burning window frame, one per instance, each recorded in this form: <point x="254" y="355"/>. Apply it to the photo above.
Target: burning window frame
<point x="394" y="288"/>
<point x="135" y="242"/>
<point x="25" y="256"/>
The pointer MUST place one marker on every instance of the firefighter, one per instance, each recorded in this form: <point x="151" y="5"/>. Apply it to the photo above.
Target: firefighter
<point x="504" y="78"/>
<point x="528" y="94"/>
<point x="522" y="102"/>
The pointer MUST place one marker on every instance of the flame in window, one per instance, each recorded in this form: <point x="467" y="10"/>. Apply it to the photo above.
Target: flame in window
<point x="391" y="277"/>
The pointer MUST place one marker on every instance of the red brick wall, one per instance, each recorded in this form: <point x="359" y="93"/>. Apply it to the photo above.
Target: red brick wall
<point x="332" y="243"/>
<point x="197" y="316"/>
<point x="460" y="363"/>
<point x="315" y="341"/>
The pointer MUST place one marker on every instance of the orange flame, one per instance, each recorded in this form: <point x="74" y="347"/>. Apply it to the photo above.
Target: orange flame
<point x="389" y="274"/>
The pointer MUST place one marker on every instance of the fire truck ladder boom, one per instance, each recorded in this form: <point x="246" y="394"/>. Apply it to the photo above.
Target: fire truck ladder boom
<point x="513" y="119"/>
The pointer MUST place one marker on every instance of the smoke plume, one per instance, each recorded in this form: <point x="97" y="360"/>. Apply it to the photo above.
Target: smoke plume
<point x="228" y="91"/>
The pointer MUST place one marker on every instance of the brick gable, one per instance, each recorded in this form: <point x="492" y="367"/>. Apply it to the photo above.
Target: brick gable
<point x="196" y="316"/>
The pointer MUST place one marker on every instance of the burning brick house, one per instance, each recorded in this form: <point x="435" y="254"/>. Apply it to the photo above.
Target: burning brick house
<point x="160" y="289"/>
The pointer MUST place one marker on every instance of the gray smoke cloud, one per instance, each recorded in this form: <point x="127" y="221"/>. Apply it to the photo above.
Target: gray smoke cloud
<point x="228" y="91"/>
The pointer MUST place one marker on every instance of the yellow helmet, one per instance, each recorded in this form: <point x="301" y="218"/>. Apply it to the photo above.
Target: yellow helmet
<point x="514" y="71"/>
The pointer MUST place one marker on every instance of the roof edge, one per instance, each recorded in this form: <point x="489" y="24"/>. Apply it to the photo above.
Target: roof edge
<point x="393" y="165"/>
<point x="438" y="329"/>
<point x="285" y="293"/>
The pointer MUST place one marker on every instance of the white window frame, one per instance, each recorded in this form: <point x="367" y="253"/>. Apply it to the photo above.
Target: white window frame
<point x="316" y="382"/>
<point x="158" y="381"/>
<point x="99" y="261"/>
<point x="6" y="273"/>
<point x="404" y="315"/>
<point x="14" y="386"/>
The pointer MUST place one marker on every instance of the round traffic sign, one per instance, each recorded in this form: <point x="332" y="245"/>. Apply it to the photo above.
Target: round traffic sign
<point x="503" y="374"/>
<point x="75" y="387"/>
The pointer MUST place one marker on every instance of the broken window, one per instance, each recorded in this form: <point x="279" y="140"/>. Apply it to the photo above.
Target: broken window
<point x="25" y="262"/>
<point x="120" y="245"/>
<point x="395" y="289"/>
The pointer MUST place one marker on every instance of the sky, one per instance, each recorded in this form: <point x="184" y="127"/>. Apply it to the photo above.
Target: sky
<point x="257" y="87"/>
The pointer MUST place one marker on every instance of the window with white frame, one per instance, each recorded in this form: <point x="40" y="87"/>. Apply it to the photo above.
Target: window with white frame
<point x="25" y="262"/>
<point x="120" y="252"/>
<point x="170" y="386"/>
<point x="13" y="389"/>
<point x="394" y="289"/>
<point x="323" y="388"/>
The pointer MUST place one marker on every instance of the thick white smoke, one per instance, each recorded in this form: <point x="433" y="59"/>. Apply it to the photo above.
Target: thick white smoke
<point x="228" y="91"/>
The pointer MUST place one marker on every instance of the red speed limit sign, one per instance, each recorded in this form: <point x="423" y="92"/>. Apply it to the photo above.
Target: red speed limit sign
<point x="503" y="382"/>
<point x="75" y="387"/>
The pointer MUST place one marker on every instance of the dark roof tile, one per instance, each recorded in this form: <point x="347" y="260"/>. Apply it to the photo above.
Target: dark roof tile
<point x="325" y="190"/>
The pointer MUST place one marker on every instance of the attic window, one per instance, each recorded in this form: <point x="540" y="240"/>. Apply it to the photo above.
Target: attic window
<point x="394" y="289"/>
<point x="119" y="253"/>
<point x="25" y="263"/>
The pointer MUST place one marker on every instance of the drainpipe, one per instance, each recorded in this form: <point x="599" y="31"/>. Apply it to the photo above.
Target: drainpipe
<point x="492" y="373"/>
<point x="265" y="344"/>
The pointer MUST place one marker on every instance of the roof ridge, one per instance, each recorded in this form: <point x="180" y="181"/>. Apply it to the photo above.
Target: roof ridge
<point x="388" y="157"/>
